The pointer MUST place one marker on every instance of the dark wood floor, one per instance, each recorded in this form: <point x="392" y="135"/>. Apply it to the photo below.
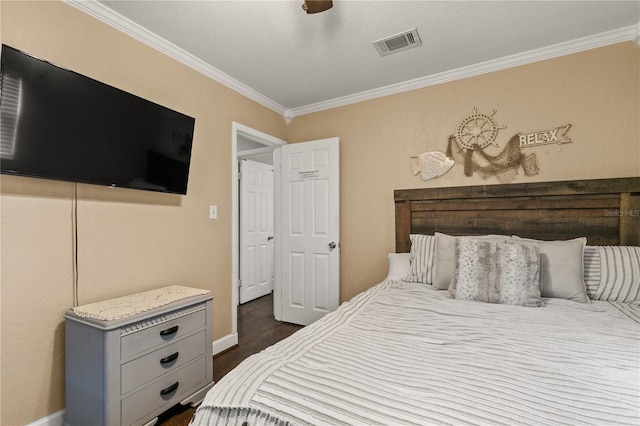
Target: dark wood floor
<point x="257" y="329"/>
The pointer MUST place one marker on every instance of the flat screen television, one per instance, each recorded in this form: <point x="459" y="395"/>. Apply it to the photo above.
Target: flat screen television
<point x="58" y="124"/>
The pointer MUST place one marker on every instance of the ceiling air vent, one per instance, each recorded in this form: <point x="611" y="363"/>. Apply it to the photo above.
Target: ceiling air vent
<point x="398" y="42"/>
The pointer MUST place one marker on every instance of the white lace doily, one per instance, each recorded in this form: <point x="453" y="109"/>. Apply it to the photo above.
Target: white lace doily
<point x="126" y="306"/>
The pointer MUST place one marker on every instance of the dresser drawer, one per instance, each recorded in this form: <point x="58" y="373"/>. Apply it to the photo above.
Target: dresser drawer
<point x="148" y="367"/>
<point x="161" y="334"/>
<point x="150" y="399"/>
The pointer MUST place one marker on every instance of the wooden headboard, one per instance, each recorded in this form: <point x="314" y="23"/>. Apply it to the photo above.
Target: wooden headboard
<point x="606" y="211"/>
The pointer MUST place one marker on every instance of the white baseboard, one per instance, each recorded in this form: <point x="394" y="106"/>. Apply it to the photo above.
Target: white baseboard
<point x="225" y="343"/>
<point x="55" y="419"/>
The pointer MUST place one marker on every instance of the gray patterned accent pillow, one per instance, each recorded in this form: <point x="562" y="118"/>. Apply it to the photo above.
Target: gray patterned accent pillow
<point x="445" y="256"/>
<point x="518" y="274"/>
<point x="496" y="273"/>
<point x="473" y="271"/>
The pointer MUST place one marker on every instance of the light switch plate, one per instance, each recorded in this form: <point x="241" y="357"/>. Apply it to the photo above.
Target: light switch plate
<point x="213" y="212"/>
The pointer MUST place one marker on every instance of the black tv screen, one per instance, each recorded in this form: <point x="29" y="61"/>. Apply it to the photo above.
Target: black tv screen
<point x="58" y="124"/>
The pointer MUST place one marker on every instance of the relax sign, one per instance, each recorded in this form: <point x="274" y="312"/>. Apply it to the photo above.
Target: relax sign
<point x="543" y="137"/>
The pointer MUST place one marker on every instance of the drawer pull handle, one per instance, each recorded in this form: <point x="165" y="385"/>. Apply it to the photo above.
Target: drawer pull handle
<point x="170" y="389"/>
<point x="169" y="359"/>
<point x="169" y="331"/>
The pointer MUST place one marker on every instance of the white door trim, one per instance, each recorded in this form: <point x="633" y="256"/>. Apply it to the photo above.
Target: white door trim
<point x="267" y="140"/>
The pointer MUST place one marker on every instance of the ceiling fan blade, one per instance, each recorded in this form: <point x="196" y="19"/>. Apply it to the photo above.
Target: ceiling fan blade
<point x="315" y="6"/>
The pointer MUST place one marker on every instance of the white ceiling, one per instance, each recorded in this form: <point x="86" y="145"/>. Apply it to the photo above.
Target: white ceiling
<point x="295" y="63"/>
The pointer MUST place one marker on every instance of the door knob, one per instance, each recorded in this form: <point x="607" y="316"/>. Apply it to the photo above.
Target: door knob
<point x="332" y="245"/>
<point x="269" y="238"/>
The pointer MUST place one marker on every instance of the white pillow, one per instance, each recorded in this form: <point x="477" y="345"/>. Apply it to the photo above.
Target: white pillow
<point x="446" y="253"/>
<point x="619" y="274"/>
<point x="421" y="259"/>
<point x="561" y="268"/>
<point x="398" y="266"/>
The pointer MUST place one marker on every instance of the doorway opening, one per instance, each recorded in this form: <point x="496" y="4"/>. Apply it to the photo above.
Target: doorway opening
<point x="257" y="227"/>
<point x="258" y="146"/>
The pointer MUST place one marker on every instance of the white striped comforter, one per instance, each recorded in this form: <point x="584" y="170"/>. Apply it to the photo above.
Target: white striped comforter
<point x="403" y="354"/>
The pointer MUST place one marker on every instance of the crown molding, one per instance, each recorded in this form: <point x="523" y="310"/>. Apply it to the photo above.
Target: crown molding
<point x="125" y="25"/>
<point x="541" y="54"/>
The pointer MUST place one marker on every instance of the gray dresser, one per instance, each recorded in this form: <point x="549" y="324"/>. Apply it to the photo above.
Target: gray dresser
<point x="131" y="358"/>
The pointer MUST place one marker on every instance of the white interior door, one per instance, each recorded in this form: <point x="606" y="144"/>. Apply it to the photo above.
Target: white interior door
<point x="256" y="230"/>
<point x="308" y="249"/>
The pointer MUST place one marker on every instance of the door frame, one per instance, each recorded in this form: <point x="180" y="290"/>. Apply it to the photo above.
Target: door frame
<point x="238" y="129"/>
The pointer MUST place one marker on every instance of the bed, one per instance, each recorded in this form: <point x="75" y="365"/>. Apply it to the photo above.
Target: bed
<point x="413" y="351"/>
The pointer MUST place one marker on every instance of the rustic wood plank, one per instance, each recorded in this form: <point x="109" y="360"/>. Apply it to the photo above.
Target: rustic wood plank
<point x="540" y="228"/>
<point x="594" y="186"/>
<point x="629" y="215"/>
<point x="603" y="202"/>
<point x="603" y="210"/>
<point x="586" y="214"/>
<point x="403" y="226"/>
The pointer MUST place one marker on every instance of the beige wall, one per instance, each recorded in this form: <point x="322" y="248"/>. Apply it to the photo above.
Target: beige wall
<point x="596" y="91"/>
<point x="128" y="240"/>
<point x="133" y="240"/>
